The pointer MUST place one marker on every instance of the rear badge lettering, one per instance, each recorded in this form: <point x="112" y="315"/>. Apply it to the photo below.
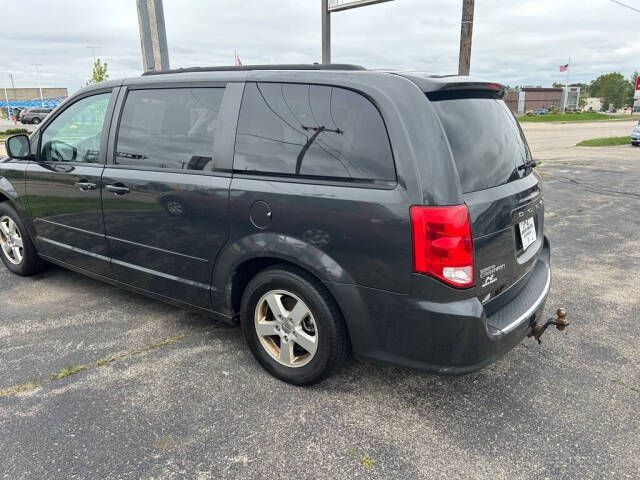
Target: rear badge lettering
<point x="490" y="274"/>
<point x="489" y="280"/>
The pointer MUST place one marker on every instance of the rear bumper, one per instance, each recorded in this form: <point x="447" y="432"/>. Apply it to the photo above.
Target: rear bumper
<point x="453" y="337"/>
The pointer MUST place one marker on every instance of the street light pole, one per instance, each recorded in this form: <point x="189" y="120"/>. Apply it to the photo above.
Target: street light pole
<point x="37" y="65"/>
<point x="93" y="50"/>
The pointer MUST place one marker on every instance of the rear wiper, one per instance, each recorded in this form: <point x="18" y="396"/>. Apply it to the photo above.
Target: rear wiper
<point x="527" y="165"/>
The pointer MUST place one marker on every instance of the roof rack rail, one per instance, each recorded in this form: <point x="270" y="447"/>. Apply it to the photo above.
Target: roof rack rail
<point x="302" y="66"/>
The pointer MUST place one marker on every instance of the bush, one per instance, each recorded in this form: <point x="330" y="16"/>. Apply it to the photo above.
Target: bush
<point x="15" y="131"/>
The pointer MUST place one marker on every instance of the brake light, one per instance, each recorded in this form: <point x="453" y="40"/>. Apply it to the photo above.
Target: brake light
<point x="442" y="244"/>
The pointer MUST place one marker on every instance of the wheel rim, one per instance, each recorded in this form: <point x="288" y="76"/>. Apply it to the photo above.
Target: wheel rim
<point x="175" y="208"/>
<point x="11" y="241"/>
<point x="286" y="328"/>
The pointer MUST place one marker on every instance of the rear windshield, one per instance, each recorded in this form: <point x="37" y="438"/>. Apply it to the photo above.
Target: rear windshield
<point x="487" y="143"/>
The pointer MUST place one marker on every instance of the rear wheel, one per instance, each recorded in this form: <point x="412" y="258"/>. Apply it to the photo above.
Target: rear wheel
<point x="16" y="249"/>
<point x="292" y="325"/>
<point x="35" y="121"/>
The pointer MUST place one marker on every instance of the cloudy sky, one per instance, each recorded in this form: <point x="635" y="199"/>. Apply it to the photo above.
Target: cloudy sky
<point x="515" y="42"/>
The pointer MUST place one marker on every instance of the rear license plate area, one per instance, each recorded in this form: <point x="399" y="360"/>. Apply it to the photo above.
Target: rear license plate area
<point x="527" y="229"/>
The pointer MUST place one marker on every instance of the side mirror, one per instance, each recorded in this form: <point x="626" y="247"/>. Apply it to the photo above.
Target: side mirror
<point x="18" y="147"/>
<point x="62" y="152"/>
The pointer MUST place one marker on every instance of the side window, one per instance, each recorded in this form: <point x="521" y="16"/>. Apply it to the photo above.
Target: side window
<point x="169" y="128"/>
<point x="312" y="130"/>
<point x="75" y="134"/>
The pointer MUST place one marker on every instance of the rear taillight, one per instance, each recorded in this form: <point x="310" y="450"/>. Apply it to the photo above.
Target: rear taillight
<point x="442" y="244"/>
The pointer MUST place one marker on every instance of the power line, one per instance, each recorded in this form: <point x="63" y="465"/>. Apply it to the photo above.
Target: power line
<point x="625" y="5"/>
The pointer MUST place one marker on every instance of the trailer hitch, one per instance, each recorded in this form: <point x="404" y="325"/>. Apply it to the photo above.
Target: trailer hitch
<point x="560" y="323"/>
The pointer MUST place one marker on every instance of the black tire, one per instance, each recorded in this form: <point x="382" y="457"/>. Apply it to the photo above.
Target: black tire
<point x="332" y="343"/>
<point x="36" y="121"/>
<point x="30" y="263"/>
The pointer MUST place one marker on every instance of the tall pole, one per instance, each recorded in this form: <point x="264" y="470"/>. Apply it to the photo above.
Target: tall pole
<point x="11" y="77"/>
<point x="566" y="88"/>
<point x="466" y="34"/>
<point x="326" y="32"/>
<point x="93" y="50"/>
<point x="153" y="36"/>
<point x="37" y="65"/>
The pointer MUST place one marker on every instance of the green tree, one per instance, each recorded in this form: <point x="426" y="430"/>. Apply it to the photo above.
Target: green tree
<point x="613" y="88"/>
<point x="99" y="72"/>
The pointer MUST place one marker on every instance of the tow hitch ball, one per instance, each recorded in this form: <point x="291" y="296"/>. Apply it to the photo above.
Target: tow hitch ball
<point x="560" y="323"/>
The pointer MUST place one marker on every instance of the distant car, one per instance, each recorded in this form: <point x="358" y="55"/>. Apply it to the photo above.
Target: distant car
<point x="635" y="136"/>
<point x="541" y="111"/>
<point x="34" y="115"/>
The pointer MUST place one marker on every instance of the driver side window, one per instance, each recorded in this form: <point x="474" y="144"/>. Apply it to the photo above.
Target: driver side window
<point x="75" y="134"/>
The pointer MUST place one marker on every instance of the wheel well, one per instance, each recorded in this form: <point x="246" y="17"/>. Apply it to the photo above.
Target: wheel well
<point x="250" y="268"/>
<point x="3" y="198"/>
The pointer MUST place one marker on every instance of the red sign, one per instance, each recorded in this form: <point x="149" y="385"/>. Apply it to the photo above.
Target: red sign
<point x="638" y="83"/>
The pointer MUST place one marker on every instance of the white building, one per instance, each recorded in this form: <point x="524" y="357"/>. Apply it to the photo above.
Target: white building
<point x="593" y="104"/>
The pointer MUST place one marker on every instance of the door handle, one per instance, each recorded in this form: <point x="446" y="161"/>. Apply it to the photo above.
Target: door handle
<point x="117" y="189"/>
<point x="85" y="186"/>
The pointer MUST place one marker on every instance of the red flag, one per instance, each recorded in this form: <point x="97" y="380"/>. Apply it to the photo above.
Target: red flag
<point x="564" y="68"/>
<point x="238" y="62"/>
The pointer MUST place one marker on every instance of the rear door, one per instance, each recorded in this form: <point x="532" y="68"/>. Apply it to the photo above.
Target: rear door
<point x="499" y="187"/>
<point x="165" y="199"/>
<point x="63" y="187"/>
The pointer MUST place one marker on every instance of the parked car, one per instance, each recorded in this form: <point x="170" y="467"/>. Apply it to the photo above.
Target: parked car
<point x="541" y="111"/>
<point x="635" y="135"/>
<point x="34" y="115"/>
<point x="323" y="208"/>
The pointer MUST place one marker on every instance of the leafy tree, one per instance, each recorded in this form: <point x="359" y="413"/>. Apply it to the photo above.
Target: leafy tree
<point x="613" y="88"/>
<point x="629" y="99"/>
<point x="99" y="73"/>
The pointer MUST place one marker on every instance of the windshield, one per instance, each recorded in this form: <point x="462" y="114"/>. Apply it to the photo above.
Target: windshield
<point x="486" y="141"/>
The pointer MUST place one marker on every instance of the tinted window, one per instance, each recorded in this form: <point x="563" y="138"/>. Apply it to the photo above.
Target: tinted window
<point x="486" y="141"/>
<point x="311" y="130"/>
<point x="75" y="134"/>
<point x="169" y="128"/>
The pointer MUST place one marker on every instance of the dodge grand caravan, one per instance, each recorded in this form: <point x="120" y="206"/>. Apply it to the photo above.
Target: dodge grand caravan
<point x="326" y="209"/>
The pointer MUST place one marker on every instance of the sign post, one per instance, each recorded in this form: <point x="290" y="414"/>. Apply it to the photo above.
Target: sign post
<point x="332" y="6"/>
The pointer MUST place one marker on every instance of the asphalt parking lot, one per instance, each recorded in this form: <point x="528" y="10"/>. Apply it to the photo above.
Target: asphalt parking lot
<point x="168" y="394"/>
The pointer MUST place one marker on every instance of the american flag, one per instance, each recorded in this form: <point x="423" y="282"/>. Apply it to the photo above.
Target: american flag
<point x="564" y="68"/>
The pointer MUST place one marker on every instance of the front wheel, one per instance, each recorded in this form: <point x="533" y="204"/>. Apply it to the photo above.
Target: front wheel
<point x="16" y="249"/>
<point x="35" y="121"/>
<point x="292" y="326"/>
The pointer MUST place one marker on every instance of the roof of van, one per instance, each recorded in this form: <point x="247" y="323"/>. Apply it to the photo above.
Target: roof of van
<point x="428" y="82"/>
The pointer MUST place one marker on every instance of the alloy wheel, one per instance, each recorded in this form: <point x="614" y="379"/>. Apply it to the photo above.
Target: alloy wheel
<point x="286" y="328"/>
<point x="11" y="240"/>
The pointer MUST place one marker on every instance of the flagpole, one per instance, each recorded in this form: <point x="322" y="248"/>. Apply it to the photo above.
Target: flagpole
<point x="566" y="88"/>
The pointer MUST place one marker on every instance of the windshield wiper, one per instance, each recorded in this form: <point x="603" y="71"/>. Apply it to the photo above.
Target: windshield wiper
<point x="527" y="165"/>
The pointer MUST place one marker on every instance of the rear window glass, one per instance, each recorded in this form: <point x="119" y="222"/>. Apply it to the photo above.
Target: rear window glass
<point x="312" y="131"/>
<point x="486" y="141"/>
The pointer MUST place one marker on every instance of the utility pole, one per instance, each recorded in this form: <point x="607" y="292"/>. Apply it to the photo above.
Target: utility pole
<point x="153" y="36"/>
<point x="466" y="34"/>
<point x="93" y="50"/>
<point x="337" y="6"/>
<point x="37" y="65"/>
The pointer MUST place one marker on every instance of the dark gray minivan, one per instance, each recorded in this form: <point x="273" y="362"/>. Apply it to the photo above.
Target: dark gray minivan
<point x="326" y="209"/>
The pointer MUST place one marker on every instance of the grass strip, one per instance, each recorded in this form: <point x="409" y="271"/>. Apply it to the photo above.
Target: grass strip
<point x="605" y="142"/>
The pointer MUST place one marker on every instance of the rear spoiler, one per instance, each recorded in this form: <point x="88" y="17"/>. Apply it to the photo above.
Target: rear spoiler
<point x="442" y="87"/>
<point x="450" y="91"/>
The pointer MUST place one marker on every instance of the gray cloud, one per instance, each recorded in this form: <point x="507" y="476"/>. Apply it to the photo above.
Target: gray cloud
<point x="520" y="42"/>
